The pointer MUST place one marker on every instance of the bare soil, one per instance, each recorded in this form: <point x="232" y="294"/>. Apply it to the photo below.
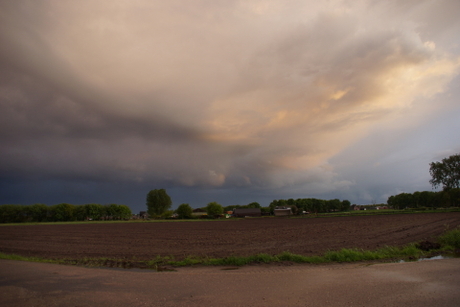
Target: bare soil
<point x="410" y="284"/>
<point x="221" y="238"/>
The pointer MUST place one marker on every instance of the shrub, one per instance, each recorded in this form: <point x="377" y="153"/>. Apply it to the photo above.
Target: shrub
<point x="214" y="209"/>
<point x="184" y="211"/>
<point x="451" y="239"/>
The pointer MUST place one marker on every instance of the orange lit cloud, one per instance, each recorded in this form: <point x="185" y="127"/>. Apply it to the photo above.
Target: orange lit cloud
<point x="214" y="94"/>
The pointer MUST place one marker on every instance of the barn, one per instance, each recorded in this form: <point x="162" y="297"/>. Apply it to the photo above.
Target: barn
<point x="242" y="212"/>
<point x="282" y="211"/>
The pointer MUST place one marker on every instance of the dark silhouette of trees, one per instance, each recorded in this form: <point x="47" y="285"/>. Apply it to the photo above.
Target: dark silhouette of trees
<point x="184" y="211"/>
<point x="446" y="173"/>
<point x="214" y="209"/>
<point x="62" y="213"/>
<point x="158" y="202"/>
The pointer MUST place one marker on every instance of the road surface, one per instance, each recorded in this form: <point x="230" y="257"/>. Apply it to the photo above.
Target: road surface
<point x="426" y="283"/>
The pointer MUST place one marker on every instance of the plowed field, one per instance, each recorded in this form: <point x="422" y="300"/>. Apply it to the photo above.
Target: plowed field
<point x="146" y="240"/>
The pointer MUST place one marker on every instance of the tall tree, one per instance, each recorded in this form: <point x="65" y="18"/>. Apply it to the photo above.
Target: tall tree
<point x="345" y="205"/>
<point x="124" y="212"/>
<point x="214" y="209"/>
<point x="158" y="202"/>
<point x="253" y="205"/>
<point x="446" y="173"/>
<point x="184" y="211"/>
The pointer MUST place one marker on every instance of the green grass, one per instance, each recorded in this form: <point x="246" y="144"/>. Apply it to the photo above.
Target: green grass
<point x="30" y="259"/>
<point x="450" y="239"/>
<point x="344" y="255"/>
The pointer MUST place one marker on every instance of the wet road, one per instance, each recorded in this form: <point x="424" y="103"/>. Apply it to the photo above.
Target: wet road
<point x="426" y="283"/>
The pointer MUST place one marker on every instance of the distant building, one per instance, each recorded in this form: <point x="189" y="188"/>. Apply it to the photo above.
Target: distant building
<point x="198" y="212"/>
<point x="242" y="212"/>
<point x="282" y="211"/>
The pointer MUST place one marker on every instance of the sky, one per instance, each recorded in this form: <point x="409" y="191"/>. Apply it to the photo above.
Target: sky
<point x="225" y="100"/>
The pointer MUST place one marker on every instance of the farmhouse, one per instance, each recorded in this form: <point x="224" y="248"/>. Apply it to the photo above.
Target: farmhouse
<point x="198" y="212"/>
<point x="242" y="212"/>
<point x="282" y="211"/>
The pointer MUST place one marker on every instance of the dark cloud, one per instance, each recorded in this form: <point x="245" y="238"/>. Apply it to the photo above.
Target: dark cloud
<point x="222" y="98"/>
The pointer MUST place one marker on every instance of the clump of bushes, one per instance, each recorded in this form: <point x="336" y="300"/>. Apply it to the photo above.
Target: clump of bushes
<point x="451" y="239"/>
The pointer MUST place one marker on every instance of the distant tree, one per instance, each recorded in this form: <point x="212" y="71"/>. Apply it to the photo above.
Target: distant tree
<point x="253" y="205"/>
<point x="124" y="212"/>
<point x="94" y="211"/>
<point x="391" y="201"/>
<point x="346" y="204"/>
<point x="158" y="202"/>
<point x="424" y="198"/>
<point x="455" y="197"/>
<point x="333" y="204"/>
<point x="265" y="210"/>
<point x="80" y="213"/>
<point x="167" y="214"/>
<point x="290" y="202"/>
<point x="12" y="213"/>
<point x="318" y="205"/>
<point x="277" y="203"/>
<point x="37" y="213"/>
<point x="301" y="204"/>
<point x="441" y="199"/>
<point x="401" y="201"/>
<point x="184" y="211"/>
<point x="446" y="173"/>
<point x="62" y="212"/>
<point x="214" y="209"/>
<point x="111" y="211"/>
<point x="117" y="212"/>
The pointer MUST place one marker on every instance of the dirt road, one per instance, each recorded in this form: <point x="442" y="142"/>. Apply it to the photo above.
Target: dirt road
<point x="418" y="284"/>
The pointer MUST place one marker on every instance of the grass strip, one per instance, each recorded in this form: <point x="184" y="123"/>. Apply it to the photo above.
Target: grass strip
<point x="343" y="255"/>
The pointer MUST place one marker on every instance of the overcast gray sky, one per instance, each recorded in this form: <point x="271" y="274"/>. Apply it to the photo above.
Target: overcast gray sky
<point x="227" y="101"/>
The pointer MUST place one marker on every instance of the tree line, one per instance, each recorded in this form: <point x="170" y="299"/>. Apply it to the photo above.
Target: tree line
<point x="158" y="204"/>
<point x="425" y="199"/>
<point x="445" y="173"/>
<point x="298" y="206"/>
<point x="62" y="213"/>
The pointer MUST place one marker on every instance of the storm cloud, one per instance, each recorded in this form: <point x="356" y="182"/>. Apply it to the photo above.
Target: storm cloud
<point x="347" y="99"/>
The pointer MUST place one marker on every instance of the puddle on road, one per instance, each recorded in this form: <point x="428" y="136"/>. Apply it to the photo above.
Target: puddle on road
<point x="428" y="258"/>
<point x="434" y="258"/>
